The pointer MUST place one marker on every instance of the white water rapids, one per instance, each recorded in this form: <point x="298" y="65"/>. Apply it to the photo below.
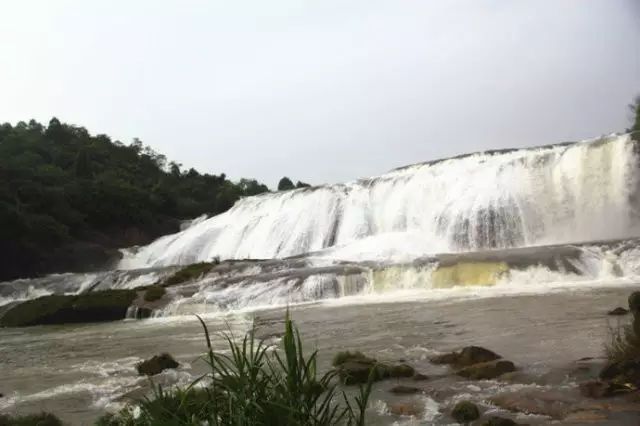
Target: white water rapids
<point x="548" y="195"/>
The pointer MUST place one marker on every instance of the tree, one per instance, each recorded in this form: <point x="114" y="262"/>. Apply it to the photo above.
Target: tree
<point x="252" y="187"/>
<point x="285" y="184"/>
<point x="635" y="128"/>
<point x="302" y="185"/>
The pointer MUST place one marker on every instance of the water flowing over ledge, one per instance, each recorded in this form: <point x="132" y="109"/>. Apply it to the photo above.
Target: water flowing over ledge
<point x="512" y="198"/>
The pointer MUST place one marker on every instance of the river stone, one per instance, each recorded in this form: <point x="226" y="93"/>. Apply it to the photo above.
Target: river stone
<point x="487" y="370"/>
<point x="404" y="390"/>
<point x="498" y="421"/>
<point x="618" y="311"/>
<point x="465" y="412"/>
<point x="156" y="365"/>
<point x="468" y="356"/>
<point x="599" y="389"/>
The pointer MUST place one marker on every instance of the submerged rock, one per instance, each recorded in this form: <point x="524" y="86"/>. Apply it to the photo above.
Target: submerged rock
<point x="468" y="356"/>
<point x="465" y="412"/>
<point x="498" y="421"/>
<point x="406" y="409"/>
<point x="156" y="365"/>
<point x="618" y="311"/>
<point x="600" y="389"/>
<point x="404" y="390"/>
<point x="108" y="305"/>
<point x="487" y="370"/>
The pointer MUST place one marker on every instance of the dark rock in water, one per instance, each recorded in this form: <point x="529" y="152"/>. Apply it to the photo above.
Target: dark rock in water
<point x="599" y="389"/>
<point x="487" y="370"/>
<point x="1" y="395"/>
<point x="108" y="305"/>
<point x="466" y="357"/>
<point x="418" y="377"/>
<point x="544" y="402"/>
<point x="465" y="412"/>
<point x="618" y="311"/>
<point x="355" y="367"/>
<point x="156" y="365"/>
<point x="498" y="421"/>
<point x="634" y="302"/>
<point x="405" y="390"/>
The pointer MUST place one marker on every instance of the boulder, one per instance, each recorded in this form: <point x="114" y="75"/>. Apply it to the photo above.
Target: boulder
<point x="498" y="421"/>
<point x="465" y="412"/>
<point x="487" y="370"/>
<point x="468" y="356"/>
<point x="355" y="367"/>
<point x="404" y="390"/>
<point x="108" y="305"/>
<point x="618" y="311"/>
<point x="600" y="389"/>
<point x="156" y="365"/>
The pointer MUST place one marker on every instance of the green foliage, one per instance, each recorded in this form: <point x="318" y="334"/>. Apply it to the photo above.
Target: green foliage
<point x="189" y="273"/>
<point x="154" y="293"/>
<point x="252" y="386"/>
<point x="60" y="186"/>
<point x="285" y="184"/>
<point x="105" y="305"/>
<point x="42" y="419"/>
<point x="635" y="128"/>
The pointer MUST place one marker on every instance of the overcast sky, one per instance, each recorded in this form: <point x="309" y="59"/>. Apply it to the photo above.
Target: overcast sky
<point x="322" y="91"/>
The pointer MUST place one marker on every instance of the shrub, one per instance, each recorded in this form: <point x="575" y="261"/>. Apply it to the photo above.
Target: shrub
<point x="42" y="419"/>
<point x="252" y="386"/>
<point x="154" y="293"/>
<point x="623" y="344"/>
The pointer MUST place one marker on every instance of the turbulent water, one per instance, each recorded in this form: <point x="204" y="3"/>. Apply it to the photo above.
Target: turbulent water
<point x="549" y="195"/>
<point x="433" y="255"/>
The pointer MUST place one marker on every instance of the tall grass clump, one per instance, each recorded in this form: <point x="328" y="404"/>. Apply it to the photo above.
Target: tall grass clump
<point x="252" y="385"/>
<point x="624" y="339"/>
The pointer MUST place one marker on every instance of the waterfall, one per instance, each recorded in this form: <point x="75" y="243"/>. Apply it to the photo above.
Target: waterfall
<point x="511" y="198"/>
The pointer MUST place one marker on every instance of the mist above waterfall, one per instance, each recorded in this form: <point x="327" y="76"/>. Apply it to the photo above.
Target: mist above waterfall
<point x="548" y="195"/>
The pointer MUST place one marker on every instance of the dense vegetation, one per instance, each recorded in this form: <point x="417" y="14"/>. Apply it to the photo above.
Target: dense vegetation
<point x="68" y="199"/>
<point x="635" y="109"/>
<point x="252" y="385"/>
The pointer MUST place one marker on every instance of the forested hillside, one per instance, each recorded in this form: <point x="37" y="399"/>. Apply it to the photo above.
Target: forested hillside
<point x="69" y="199"/>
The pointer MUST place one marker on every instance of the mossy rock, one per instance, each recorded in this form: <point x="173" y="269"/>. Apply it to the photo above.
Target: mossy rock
<point x="342" y="357"/>
<point x="498" y="421"/>
<point x="109" y="305"/>
<point x="189" y="273"/>
<point x="355" y="368"/>
<point x="156" y="365"/>
<point x="153" y="293"/>
<point x="42" y="419"/>
<point x="487" y="370"/>
<point x="465" y="412"/>
<point x="468" y="356"/>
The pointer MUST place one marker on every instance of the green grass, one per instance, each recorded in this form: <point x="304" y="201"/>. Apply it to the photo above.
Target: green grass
<point x="154" y="293"/>
<point x="623" y="344"/>
<point x="189" y="273"/>
<point x="252" y="385"/>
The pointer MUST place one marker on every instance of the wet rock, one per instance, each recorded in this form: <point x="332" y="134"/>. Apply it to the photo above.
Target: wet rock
<point x="156" y="365"/>
<point x="42" y="419"/>
<point x="465" y="412"/>
<point x="404" y="390"/>
<point x="618" y="311"/>
<point x="399" y="370"/>
<point x="355" y="367"/>
<point x="585" y="416"/>
<point x="487" y="370"/>
<point x="468" y="356"/>
<point x="498" y="421"/>
<point x="419" y="377"/>
<point x="346" y="356"/>
<point x="108" y="305"/>
<point x="552" y="403"/>
<point x="600" y="389"/>
<point x="406" y="409"/>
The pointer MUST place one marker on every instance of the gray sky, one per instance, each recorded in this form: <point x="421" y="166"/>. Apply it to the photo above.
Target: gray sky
<point x="322" y="91"/>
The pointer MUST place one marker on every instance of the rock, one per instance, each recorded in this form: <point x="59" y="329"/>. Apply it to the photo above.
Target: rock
<point x="404" y="390"/>
<point x="342" y="357"/>
<point x="552" y="403"/>
<point x="156" y="365"/>
<point x="487" y="370"/>
<point x="399" y="370"/>
<point x="634" y="302"/>
<point x="498" y="421"/>
<point x="468" y="356"/>
<point x="355" y="367"/>
<point x="153" y="293"/>
<point x="406" y="409"/>
<point x="618" y="311"/>
<point x="108" y="305"/>
<point x="418" y="377"/>
<point x="465" y="412"/>
<point x="600" y="389"/>
<point x="42" y="419"/>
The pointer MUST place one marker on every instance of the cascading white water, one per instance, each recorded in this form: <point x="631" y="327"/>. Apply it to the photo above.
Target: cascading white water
<point x="547" y="195"/>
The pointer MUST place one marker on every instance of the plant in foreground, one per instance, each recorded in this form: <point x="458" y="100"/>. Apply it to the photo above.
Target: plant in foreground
<point x="252" y="386"/>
